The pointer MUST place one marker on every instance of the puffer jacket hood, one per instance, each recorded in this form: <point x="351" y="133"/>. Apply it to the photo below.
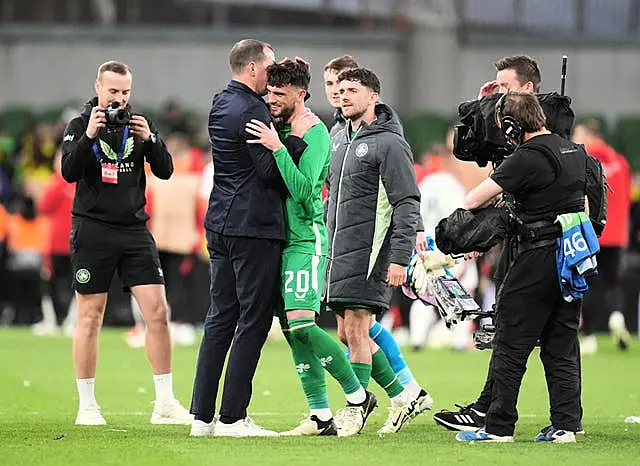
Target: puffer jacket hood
<point x="387" y="121"/>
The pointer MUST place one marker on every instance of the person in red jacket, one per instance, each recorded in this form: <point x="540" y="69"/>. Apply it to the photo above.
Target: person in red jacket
<point x="605" y="297"/>
<point x="55" y="204"/>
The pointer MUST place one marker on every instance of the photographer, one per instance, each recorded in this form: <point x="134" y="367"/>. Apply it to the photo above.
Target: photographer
<point x="546" y="176"/>
<point x="104" y="150"/>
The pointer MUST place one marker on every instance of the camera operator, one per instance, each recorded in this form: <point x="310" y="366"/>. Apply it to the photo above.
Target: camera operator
<point x="518" y="73"/>
<point x="546" y="175"/>
<point x="104" y="151"/>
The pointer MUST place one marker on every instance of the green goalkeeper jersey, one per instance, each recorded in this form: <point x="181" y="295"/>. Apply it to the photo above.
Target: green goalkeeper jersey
<point x="306" y="231"/>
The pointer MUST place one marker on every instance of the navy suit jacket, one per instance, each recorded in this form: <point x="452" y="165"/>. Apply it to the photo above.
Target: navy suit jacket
<point x="248" y="191"/>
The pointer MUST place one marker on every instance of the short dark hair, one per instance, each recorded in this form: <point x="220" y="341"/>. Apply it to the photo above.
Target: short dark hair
<point x="526" y="109"/>
<point x="288" y="72"/>
<point x="362" y="75"/>
<point x="341" y="63"/>
<point x="525" y="67"/>
<point x="115" y="67"/>
<point x="246" y="51"/>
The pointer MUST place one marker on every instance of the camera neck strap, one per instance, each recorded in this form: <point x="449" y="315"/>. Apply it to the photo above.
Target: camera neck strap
<point x="98" y="153"/>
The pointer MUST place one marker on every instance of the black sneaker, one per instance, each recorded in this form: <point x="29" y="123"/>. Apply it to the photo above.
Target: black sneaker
<point x="466" y="419"/>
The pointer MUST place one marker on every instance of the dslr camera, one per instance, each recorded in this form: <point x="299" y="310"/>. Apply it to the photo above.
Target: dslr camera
<point x="117" y="117"/>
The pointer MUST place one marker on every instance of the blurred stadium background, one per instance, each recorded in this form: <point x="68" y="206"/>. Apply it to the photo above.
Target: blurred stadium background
<point x="430" y="54"/>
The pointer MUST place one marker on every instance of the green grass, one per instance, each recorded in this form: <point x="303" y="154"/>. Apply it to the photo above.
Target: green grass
<point x="38" y="403"/>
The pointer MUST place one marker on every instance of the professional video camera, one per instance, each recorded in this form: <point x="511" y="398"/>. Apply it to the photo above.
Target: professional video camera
<point x="477" y="137"/>
<point x="116" y="116"/>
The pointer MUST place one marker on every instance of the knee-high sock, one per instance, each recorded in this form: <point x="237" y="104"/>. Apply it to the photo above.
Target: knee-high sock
<point x="384" y="376"/>
<point x="383" y="338"/>
<point x="310" y="372"/>
<point x="327" y="350"/>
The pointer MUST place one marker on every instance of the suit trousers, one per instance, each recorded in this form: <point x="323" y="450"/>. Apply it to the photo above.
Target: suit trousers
<point x="245" y="292"/>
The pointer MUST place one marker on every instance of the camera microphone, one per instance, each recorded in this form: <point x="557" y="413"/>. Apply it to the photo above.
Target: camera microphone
<point x="563" y="74"/>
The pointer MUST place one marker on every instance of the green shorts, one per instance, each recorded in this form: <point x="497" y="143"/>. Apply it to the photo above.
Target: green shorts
<point x="302" y="281"/>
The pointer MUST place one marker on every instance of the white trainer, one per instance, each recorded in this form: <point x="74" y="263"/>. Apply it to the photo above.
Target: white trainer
<point x="90" y="416"/>
<point x="45" y="329"/>
<point x="398" y="416"/>
<point x="242" y="428"/>
<point x="423" y="402"/>
<point x="350" y="420"/>
<point x="619" y="331"/>
<point x="312" y="426"/>
<point x="202" y="429"/>
<point x="171" y="413"/>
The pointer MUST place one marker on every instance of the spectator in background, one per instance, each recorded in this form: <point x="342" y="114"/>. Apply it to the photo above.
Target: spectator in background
<point x="174" y="224"/>
<point x="26" y="243"/>
<point x="55" y="205"/>
<point x="37" y="151"/>
<point x="7" y="165"/>
<point x="173" y="119"/>
<point x="440" y="194"/>
<point x="4" y="224"/>
<point x="398" y="317"/>
<point x="605" y="298"/>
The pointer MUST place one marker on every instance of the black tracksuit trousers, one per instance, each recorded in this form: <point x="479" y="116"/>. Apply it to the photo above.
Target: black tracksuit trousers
<point x="530" y="307"/>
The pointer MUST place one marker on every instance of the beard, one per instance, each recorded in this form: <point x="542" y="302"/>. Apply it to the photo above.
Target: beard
<point x="284" y="114"/>
<point x="354" y="113"/>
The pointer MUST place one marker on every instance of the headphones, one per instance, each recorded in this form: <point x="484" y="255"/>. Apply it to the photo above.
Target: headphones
<point x="511" y="128"/>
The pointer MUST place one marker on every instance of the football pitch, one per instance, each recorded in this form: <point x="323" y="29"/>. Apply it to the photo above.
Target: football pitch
<point x="38" y="403"/>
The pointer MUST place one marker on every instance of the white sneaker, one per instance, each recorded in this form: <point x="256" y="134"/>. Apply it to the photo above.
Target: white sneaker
<point x="589" y="345"/>
<point x="90" y="416"/>
<point x="312" y="426"/>
<point x="202" y="429"/>
<point x="351" y="419"/>
<point x="242" y="428"/>
<point x="619" y="330"/>
<point x="45" y="329"/>
<point x="398" y="416"/>
<point x="171" y="413"/>
<point x="423" y="402"/>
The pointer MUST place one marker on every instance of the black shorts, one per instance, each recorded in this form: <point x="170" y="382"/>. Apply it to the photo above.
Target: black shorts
<point x="99" y="249"/>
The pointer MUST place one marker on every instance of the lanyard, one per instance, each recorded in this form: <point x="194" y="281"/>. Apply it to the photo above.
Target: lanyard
<point x="96" y="149"/>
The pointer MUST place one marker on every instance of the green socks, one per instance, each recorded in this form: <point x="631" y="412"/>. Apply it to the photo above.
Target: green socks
<point x="329" y="353"/>
<point x="383" y="374"/>
<point x="363" y="372"/>
<point x="310" y="372"/>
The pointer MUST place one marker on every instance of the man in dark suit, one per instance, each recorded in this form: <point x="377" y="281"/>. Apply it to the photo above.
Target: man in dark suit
<point x="245" y="229"/>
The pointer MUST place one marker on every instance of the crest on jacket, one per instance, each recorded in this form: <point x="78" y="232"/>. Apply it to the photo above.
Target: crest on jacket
<point x="112" y="155"/>
<point x="362" y="149"/>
